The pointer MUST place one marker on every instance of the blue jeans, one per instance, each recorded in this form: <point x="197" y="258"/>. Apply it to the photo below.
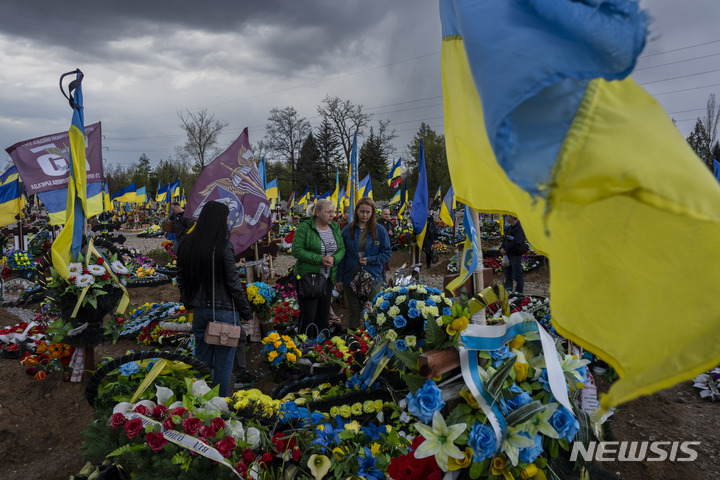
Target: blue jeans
<point x="514" y="271"/>
<point x="218" y="358"/>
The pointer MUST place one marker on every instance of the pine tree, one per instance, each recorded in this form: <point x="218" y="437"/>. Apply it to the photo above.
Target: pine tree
<point x="699" y="141"/>
<point x="372" y="161"/>
<point x="309" y="167"/>
<point x="436" y="165"/>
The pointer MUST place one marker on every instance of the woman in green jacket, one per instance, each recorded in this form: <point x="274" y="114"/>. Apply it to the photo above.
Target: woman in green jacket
<point x="318" y="247"/>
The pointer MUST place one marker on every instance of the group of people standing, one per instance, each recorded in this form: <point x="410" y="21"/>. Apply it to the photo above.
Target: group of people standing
<point x="322" y="248"/>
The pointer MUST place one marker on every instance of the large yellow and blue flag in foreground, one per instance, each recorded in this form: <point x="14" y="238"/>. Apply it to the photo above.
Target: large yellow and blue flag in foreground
<point x="600" y="177"/>
<point x="66" y="247"/>
<point x="419" y="211"/>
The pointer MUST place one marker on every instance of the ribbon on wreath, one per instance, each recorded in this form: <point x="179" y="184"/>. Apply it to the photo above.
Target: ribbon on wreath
<point x="124" y="300"/>
<point x="491" y="337"/>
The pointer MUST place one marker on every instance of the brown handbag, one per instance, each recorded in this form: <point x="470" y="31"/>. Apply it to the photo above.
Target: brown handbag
<point x="168" y="226"/>
<point x="218" y="333"/>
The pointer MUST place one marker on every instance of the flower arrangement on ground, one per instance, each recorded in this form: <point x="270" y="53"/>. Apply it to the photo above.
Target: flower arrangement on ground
<point x="261" y="297"/>
<point x="48" y="357"/>
<point x="709" y="384"/>
<point x="284" y="312"/>
<point x="282" y="353"/>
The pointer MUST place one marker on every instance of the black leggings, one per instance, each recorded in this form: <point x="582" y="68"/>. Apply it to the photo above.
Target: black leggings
<point x="315" y="310"/>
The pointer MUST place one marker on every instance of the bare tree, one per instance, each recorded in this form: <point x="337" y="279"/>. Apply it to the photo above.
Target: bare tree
<point x="202" y="132"/>
<point x="285" y="133"/>
<point x="710" y="122"/>
<point x="347" y="118"/>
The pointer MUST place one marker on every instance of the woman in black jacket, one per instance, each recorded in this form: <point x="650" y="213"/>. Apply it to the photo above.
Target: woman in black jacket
<point x="219" y="297"/>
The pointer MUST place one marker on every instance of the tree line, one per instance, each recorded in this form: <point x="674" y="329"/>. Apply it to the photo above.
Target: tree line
<point x="296" y="154"/>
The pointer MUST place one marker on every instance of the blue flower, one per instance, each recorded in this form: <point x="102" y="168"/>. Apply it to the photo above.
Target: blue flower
<point x="425" y="402"/>
<point x="401" y="345"/>
<point x="371" y="331"/>
<point x="403" y="291"/>
<point x="413" y="313"/>
<point x="447" y="311"/>
<point x="282" y="348"/>
<point x="583" y="373"/>
<point x="268" y="347"/>
<point x="430" y="302"/>
<point x="368" y="469"/>
<point x="388" y="295"/>
<point x="384" y="305"/>
<point x="128" y="369"/>
<point x="412" y="303"/>
<point x="500" y="354"/>
<point x="374" y="432"/>
<point x="482" y="440"/>
<point x="354" y="382"/>
<point x="565" y="423"/>
<point x="400" y="321"/>
<point x="507" y="406"/>
<point x="529" y="454"/>
<point x="367" y="324"/>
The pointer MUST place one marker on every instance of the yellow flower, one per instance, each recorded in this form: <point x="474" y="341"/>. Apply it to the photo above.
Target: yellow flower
<point x="369" y="406"/>
<point x="354" y="426"/>
<point x="411" y="340"/>
<point x="272" y="355"/>
<point x="375" y="448"/>
<point x="298" y="353"/>
<point x="469" y="398"/>
<point x="290" y="344"/>
<point x="291" y="357"/>
<point x="457" y="326"/>
<point x="345" y="411"/>
<point x="334" y="411"/>
<point x="521" y="371"/>
<point x="529" y="472"/>
<point x="455" y="464"/>
<point x="378" y="405"/>
<point x="356" y="408"/>
<point x="285" y="338"/>
<point x="277" y="344"/>
<point x="274" y="336"/>
<point x="338" y="453"/>
<point x="517" y="342"/>
<point x="498" y="467"/>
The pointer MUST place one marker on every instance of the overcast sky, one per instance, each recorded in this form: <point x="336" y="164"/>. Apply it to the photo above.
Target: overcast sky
<point x="145" y="61"/>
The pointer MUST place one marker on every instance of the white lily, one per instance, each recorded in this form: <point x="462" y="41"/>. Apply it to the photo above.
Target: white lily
<point x="439" y="440"/>
<point x="513" y="442"/>
<point x="252" y="437"/>
<point x="163" y="394"/>
<point x="200" y="388"/>
<point x="235" y="429"/>
<point x="124" y="407"/>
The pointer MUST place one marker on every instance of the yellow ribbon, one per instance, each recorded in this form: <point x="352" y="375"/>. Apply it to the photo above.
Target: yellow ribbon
<point x="154" y="372"/>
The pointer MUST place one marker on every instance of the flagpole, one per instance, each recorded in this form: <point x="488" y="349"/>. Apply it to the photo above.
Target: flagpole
<point x="478" y="281"/>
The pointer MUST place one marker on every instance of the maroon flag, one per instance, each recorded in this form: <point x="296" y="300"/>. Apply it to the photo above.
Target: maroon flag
<point x="42" y="162"/>
<point x="233" y="179"/>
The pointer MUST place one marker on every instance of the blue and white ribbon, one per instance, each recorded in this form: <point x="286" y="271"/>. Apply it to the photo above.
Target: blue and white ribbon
<point x="492" y="337"/>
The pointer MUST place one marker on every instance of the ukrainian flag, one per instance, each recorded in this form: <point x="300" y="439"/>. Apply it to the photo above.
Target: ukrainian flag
<point x="10" y="175"/>
<point x="66" y="247"/>
<point x="127" y="194"/>
<point x="419" y="212"/>
<point x="395" y="176"/>
<point x="106" y="198"/>
<point x="447" y="209"/>
<point x="140" y="195"/>
<point x="336" y="192"/>
<point x="395" y="198"/>
<point x="598" y="174"/>
<point x="174" y="190"/>
<point x="305" y="198"/>
<point x="364" y="188"/>
<point x="162" y="193"/>
<point x="271" y="189"/>
<point x="11" y="202"/>
<point x="291" y="201"/>
<point x="438" y="194"/>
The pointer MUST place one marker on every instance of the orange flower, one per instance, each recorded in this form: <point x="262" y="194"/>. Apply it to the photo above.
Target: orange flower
<point x="40" y="375"/>
<point x="42" y="346"/>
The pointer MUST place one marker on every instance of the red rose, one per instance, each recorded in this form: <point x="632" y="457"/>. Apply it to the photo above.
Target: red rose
<point x="248" y="456"/>
<point x="226" y="446"/>
<point x="242" y="469"/>
<point x="179" y="411"/>
<point x="141" y="409"/>
<point x="105" y="276"/>
<point x="133" y="427"/>
<point x="117" y="420"/>
<point x="100" y="260"/>
<point x="192" y="425"/>
<point x="217" y="423"/>
<point x="159" y="411"/>
<point x="71" y="279"/>
<point x="266" y="458"/>
<point x="168" y="424"/>
<point x="156" y="441"/>
<point x="208" y="432"/>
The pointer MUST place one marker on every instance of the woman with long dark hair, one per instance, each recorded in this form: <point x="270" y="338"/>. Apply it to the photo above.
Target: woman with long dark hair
<point x="209" y="284"/>
<point x="367" y="247"/>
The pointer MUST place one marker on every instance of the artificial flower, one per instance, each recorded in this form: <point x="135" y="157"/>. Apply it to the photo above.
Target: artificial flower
<point x="457" y="326"/>
<point x="84" y="280"/>
<point x="459" y="464"/>
<point x="439" y="441"/>
<point x="319" y="466"/>
<point x="75" y="269"/>
<point x="96" y="270"/>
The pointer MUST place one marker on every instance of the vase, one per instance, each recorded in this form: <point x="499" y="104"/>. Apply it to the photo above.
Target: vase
<point x="91" y="335"/>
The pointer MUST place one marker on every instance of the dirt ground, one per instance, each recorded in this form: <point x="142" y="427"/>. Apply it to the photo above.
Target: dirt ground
<point x="41" y="421"/>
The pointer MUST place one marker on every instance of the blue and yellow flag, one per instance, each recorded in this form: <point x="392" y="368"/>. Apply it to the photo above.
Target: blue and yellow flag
<point x="364" y="188"/>
<point x="447" y="209"/>
<point x="141" y="195"/>
<point x="419" y="211"/>
<point x="9" y="175"/>
<point x="438" y="194"/>
<point x="11" y="202"/>
<point x="174" y="191"/>
<point x="162" y="194"/>
<point x="127" y="194"/>
<point x="470" y="255"/>
<point x="591" y="164"/>
<point x="271" y="189"/>
<point x="336" y="192"/>
<point x="395" y="198"/>
<point x="305" y="198"/>
<point x="403" y="199"/>
<point x="66" y="247"/>
<point x="395" y="176"/>
<point x="291" y="200"/>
